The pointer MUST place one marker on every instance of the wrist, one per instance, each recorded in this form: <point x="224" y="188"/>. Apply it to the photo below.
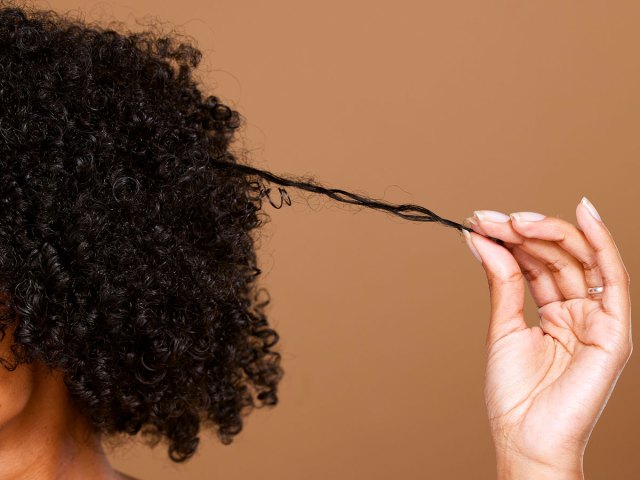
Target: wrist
<point x="514" y="466"/>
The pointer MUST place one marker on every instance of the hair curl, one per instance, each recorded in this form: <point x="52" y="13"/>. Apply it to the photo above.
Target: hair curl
<point x="126" y="255"/>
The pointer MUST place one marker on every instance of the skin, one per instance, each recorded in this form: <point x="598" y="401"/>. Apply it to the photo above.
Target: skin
<point x="546" y="386"/>
<point x="41" y="435"/>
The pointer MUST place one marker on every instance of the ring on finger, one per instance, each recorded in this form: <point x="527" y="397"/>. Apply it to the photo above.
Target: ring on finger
<point x="595" y="290"/>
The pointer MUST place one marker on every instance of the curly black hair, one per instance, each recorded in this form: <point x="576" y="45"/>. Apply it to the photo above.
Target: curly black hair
<point x="127" y="257"/>
<point x="127" y="254"/>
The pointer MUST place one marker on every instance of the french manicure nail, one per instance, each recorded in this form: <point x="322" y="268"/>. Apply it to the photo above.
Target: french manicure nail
<point x="467" y="237"/>
<point x="470" y="221"/>
<point x="491" y="216"/>
<point x="527" y="216"/>
<point x="592" y="210"/>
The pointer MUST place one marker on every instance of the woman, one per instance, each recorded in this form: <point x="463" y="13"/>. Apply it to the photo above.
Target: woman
<point x="128" y="270"/>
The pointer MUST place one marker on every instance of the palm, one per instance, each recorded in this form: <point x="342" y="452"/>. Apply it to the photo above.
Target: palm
<point x="545" y="384"/>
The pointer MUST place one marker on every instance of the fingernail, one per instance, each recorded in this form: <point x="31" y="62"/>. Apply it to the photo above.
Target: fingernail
<point x="491" y="216"/>
<point x="592" y="210"/>
<point x="467" y="237"/>
<point x="527" y="216"/>
<point x="470" y="221"/>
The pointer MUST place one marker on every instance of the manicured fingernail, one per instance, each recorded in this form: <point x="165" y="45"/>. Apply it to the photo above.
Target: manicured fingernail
<point x="592" y="210"/>
<point x="527" y="216"/>
<point x="470" y="221"/>
<point x="491" y="216"/>
<point x="467" y="237"/>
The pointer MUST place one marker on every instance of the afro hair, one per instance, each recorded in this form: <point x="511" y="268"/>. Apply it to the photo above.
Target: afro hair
<point x="127" y="259"/>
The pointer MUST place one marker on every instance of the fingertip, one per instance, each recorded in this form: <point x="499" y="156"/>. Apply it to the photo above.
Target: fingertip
<point x="590" y="208"/>
<point x="527" y="222"/>
<point x="495" y="257"/>
<point x="586" y="213"/>
<point x="520" y="227"/>
<point x="470" y="244"/>
<point x="472" y="223"/>
<point x="592" y="227"/>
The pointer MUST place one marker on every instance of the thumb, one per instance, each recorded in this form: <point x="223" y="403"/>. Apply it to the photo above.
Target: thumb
<point x="506" y="286"/>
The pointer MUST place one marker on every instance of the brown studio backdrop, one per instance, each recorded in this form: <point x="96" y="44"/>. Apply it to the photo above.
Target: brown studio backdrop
<point x="455" y="106"/>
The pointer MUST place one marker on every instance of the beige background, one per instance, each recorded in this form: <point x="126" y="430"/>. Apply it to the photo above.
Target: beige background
<point x="456" y="106"/>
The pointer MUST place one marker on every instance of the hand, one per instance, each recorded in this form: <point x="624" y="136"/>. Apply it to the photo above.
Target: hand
<point x="546" y="386"/>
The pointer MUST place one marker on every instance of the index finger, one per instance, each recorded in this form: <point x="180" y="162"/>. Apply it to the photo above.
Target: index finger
<point x="615" y="277"/>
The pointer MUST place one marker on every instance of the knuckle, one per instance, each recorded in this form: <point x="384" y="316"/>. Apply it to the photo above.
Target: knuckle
<point x="557" y="264"/>
<point x="519" y="313"/>
<point x="591" y="263"/>
<point x="620" y="280"/>
<point x="532" y="273"/>
<point x="513" y="277"/>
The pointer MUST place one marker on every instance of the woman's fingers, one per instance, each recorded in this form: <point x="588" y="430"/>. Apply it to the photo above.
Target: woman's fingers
<point x="567" y="236"/>
<point x="577" y="257"/>
<point x="506" y="286"/>
<point x="567" y="270"/>
<point x="542" y="283"/>
<point x="490" y="220"/>
<point x="615" y="278"/>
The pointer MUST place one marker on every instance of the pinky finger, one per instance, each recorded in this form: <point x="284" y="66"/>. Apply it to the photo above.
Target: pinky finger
<point x="615" y="278"/>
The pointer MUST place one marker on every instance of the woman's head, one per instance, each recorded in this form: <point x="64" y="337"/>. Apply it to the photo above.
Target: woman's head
<point x="127" y="258"/>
